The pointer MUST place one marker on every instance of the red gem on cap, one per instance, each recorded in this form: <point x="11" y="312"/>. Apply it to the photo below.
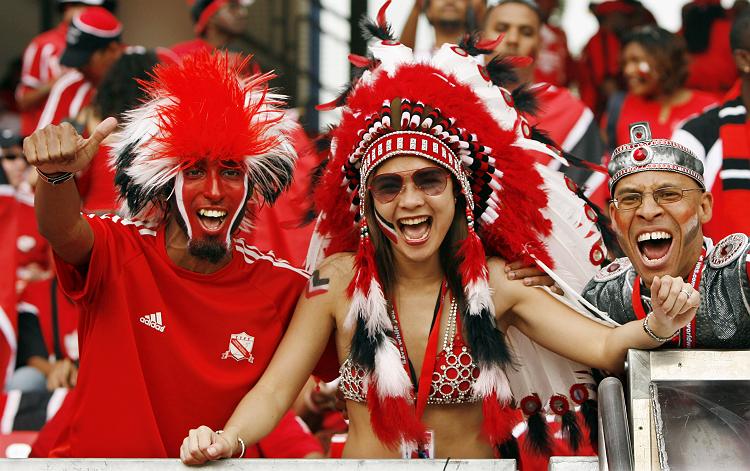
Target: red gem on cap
<point x="640" y="154"/>
<point x="639" y="135"/>
<point x="390" y="42"/>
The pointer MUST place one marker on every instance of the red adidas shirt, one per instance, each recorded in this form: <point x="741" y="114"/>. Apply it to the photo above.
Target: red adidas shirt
<point x="164" y="349"/>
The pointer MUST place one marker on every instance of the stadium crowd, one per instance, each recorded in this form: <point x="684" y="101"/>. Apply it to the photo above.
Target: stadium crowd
<point x="488" y="228"/>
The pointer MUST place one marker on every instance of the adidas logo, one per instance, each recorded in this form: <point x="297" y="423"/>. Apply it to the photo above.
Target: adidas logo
<point x="153" y="320"/>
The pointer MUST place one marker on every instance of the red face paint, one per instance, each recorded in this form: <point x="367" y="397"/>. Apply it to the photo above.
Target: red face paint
<point x="211" y="198"/>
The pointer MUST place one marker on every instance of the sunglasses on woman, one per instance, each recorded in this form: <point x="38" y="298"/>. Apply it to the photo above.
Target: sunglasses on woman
<point x="432" y="181"/>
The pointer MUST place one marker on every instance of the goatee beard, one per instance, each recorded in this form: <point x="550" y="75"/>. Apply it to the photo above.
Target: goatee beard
<point x="209" y="249"/>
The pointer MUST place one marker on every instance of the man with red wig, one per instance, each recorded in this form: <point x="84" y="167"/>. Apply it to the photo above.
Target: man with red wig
<point x="174" y="311"/>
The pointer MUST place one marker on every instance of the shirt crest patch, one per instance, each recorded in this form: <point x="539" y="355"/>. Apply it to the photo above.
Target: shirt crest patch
<point x="240" y="347"/>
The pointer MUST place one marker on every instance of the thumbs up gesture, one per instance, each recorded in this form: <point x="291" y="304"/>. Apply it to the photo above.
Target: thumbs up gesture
<point x="55" y="149"/>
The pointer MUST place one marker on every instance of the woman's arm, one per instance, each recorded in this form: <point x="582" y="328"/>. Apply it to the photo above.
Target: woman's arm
<point x="266" y="403"/>
<point x="558" y="328"/>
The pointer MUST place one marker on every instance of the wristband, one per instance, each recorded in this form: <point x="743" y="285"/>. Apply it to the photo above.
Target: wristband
<point x="54" y="178"/>
<point x="651" y="333"/>
<point x="241" y="441"/>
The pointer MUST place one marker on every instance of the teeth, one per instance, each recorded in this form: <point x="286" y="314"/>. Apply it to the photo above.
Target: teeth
<point x="413" y="221"/>
<point x="212" y="213"/>
<point x="653" y="236"/>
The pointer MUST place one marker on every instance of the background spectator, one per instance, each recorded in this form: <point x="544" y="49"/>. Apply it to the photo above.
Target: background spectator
<point x="554" y="63"/>
<point x="217" y="24"/>
<point x="92" y="46"/>
<point x="655" y="68"/>
<point x="41" y="63"/>
<point x="705" y="25"/>
<point x="451" y="20"/>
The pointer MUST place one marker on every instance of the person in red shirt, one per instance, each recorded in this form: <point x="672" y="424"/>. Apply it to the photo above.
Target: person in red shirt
<point x="705" y="26"/>
<point x="217" y="23"/>
<point x="41" y="63"/>
<point x="654" y="66"/>
<point x="173" y="310"/>
<point x="92" y="46"/>
<point x="554" y="63"/>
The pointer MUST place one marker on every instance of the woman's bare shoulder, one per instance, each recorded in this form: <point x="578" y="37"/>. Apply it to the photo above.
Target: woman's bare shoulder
<point x="496" y="269"/>
<point x="339" y="268"/>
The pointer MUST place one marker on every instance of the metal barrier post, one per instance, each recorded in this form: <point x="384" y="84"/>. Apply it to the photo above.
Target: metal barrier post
<point x="615" y="450"/>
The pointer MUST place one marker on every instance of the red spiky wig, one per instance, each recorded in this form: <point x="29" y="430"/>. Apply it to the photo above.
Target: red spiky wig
<point x="206" y="107"/>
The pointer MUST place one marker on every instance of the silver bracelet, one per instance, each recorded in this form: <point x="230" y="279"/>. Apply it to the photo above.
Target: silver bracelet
<point x="54" y="178"/>
<point x="240" y="440"/>
<point x="651" y="333"/>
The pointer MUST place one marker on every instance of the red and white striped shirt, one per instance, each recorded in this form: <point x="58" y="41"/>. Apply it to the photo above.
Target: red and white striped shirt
<point x="41" y="65"/>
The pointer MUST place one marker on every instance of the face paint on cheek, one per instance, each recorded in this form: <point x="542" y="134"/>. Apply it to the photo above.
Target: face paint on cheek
<point x="185" y="196"/>
<point x="644" y="70"/>
<point x="179" y="183"/>
<point x="239" y="212"/>
<point x="388" y="229"/>
<point x="691" y="230"/>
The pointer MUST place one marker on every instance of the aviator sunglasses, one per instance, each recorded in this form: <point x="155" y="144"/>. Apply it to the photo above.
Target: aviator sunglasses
<point x="432" y="181"/>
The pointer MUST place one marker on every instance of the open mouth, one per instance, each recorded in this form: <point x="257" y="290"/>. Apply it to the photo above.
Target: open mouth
<point x="654" y="247"/>
<point x="212" y="219"/>
<point x="415" y="230"/>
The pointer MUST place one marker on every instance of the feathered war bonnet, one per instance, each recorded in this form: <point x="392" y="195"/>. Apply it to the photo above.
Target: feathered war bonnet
<point x="205" y="107"/>
<point x="448" y="110"/>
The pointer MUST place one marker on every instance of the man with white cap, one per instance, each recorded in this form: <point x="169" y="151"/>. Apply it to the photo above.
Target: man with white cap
<point x="92" y="45"/>
<point x="658" y="210"/>
<point x="41" y="62"/>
